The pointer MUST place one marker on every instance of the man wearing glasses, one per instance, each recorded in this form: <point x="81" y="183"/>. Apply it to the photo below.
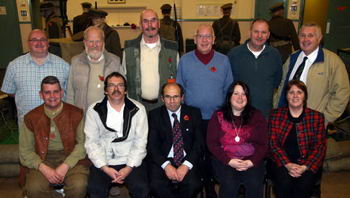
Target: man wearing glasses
<point x="150" y="62"/>
<point x="175" y="146"/>
<point x="206" y="76"/>
<point x="25" y="73"/>
<point x="88" y="70"/>
<point x="116" y="131"/>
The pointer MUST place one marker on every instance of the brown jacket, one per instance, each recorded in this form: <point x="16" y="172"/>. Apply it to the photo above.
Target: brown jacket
<point x="67" y="123"/>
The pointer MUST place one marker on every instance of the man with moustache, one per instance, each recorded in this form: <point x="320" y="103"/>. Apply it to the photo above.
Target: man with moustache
<point x="112" y="40"/>
<point x="323" y="72"/>
<point x="25" y="73"/>
<point x="258" y="65"/>
<point x="51" y="146"/>
<point x="175" y="146"/>
<point x="150" y="62"/>
<point x="88" y="70"/>
<point x="199" y="71"/>
<point x="116" y="130"/>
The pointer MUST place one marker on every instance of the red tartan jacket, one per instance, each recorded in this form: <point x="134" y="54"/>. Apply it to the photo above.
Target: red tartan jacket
<point x="311" y="136"/>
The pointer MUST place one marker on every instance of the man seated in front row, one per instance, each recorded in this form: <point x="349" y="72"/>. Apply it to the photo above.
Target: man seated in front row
<point x="51" y="146"/>
<point x="175" y="146"/>
<point x="116" y="130"/>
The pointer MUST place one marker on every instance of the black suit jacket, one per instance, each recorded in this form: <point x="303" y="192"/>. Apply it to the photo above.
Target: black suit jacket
<point x="160" y="134"/>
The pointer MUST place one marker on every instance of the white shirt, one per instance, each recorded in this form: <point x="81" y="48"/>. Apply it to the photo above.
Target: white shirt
<point x="171" y="153"/>
<point x="115" y="119"/>
<point x="255" y="53"/>
<point x="150" y="78"/>
<point x="309" y="61"/>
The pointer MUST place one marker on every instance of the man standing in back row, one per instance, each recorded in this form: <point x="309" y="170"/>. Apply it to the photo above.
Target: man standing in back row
<point x="258" y="65"/>
<point x="150" y="62"/>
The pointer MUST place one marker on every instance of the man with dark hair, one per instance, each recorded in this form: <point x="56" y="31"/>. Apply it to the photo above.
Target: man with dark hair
<point x="116" y="130"/>
<point x="175" y="146"/>
<point x="51" y="146"/>
<point x="226" y="30"/>
<point x="112" y="40"/>
<point x="170" y="29"/>
<point x="258" y="65"/>
<point x="83" y="21"/>
<point x="283" y="35"/>
<point x="149" y="61"/>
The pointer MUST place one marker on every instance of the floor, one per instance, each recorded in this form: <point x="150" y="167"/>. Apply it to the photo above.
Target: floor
<point x="334" y="185"/>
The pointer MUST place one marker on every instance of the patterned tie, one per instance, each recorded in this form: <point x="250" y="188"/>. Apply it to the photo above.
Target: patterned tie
<point x="177" y="141"/>
<point x="300" y="69"/>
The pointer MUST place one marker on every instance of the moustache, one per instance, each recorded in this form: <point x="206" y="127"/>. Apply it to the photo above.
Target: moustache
<point x="150" y="29"/>
<point x="116" y="92"/>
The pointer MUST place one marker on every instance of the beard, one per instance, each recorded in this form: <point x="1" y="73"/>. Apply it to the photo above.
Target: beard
<point x="94" y="53"/>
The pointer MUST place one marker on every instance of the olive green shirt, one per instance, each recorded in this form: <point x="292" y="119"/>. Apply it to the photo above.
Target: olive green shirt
<point x="27" y="154"/>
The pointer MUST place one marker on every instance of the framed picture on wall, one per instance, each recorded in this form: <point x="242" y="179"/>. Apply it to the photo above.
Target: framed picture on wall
<point x="116" y="1"/>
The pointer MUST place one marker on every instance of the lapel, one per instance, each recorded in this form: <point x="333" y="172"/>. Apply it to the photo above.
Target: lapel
<point x="166" y="122"/>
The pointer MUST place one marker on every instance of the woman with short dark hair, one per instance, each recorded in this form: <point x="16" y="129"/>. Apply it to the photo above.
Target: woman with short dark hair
<point x="298" y="144"/>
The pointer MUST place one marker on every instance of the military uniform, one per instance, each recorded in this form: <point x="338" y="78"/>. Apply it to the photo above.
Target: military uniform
<point x="168" y="21"/>
<point x="81" y="22"/>
<point x="226" y="31"/>
<point x="283" y="34"/>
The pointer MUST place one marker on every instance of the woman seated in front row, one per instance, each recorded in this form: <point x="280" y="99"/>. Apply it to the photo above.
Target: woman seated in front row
<point x="237" y="138"/>
<point x="298" y="144"/>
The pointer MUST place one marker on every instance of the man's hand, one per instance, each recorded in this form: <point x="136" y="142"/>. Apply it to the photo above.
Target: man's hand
<point x="61" y="171"/>
<point x="171" y="172"/>
<point x="111" y="172"/>
<point x="123" y="173"/>
<point x="49" y="173"/>
<point x="181" y="172"/>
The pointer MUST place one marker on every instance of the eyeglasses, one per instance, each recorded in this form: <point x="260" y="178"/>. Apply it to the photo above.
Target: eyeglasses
<point x="38" y="40"/>
<point x="91" y="42"/>
<point x="113" y="86"/>
<point x="172" y="97"/>
<point x="202" y="36"/>
<point x="153" y="20"/>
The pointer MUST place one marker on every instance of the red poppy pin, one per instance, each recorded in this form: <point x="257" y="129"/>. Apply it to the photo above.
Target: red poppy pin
<point x="186" y="117"/>
<point x="170" y="60"/>
<point x="102" y="78"/>
<point x="213" y="69"/>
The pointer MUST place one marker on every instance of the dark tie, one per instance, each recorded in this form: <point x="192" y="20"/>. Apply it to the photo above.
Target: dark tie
<point x="177" y="141"/>
<point x="300" y="69"/>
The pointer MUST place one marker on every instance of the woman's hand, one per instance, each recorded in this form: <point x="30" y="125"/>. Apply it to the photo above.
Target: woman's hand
<point x="295" y="170"/>
<point x="240" y="165"/>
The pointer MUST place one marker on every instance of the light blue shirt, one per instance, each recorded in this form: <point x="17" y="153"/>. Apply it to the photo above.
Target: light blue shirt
<point x="23" y="78"/>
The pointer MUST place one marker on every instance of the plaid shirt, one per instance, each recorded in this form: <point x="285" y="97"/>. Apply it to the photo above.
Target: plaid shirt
<point x="23" y="78"/>
<point x="311" y="136"/>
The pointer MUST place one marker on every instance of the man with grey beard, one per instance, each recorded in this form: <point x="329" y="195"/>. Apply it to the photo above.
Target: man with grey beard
<point x="88" y="70"/>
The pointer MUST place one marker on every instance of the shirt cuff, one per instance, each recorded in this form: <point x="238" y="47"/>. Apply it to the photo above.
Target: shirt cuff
<point x="188" y="164"/>
<point x="165" y="164"/>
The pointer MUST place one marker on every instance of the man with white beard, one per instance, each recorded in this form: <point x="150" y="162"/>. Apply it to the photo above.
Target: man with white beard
<point x="88" y="70"/>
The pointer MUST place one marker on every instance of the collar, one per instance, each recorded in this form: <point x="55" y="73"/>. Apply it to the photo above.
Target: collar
<point x="312" y="56"/>
<point x="99" y="60"/>
<point x="255" y="51"/>
<point x="204" y="58"/>
<point x="177" y="112"/>
<point x="143" y="42"/>
<point x="53" y="113"/>
<point x="48" y="59"/>
<point x="110" y="108"/>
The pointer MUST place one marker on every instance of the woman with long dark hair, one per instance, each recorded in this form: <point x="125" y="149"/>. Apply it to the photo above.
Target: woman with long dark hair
<point x="237" y="138"/>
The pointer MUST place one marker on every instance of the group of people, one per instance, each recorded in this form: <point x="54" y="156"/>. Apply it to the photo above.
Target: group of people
<point x="165" y="125"/>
